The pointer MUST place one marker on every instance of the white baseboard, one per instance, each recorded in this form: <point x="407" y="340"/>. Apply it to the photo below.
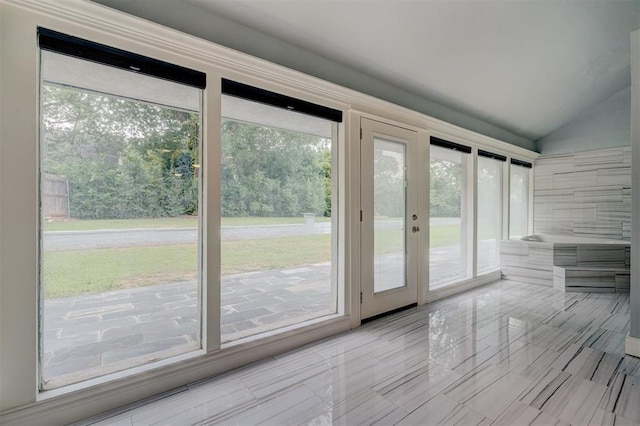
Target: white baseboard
<point x="441" y="293"/>
<point x="632" y="346"/>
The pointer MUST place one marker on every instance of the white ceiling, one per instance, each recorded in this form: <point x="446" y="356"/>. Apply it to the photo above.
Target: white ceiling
<point x="527" y="66"/>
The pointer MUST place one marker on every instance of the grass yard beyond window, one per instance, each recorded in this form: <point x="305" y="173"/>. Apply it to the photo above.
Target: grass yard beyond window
<point x="69" y="273"/>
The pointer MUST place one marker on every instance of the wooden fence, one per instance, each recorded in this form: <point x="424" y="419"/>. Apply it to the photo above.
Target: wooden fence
<point x="55" y="197"/>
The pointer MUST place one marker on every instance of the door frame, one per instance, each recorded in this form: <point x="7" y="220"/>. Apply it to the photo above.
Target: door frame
<point x="417" y="244"/>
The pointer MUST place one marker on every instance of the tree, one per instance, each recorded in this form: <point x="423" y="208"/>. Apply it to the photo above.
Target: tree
<point x="445" y="188"/>
<point x="389" y="189"/>
<point x="489" y="196"/>
<point x="128" y="159"/>
<point x="273" y="172"/>
<point x="122" y="158"/>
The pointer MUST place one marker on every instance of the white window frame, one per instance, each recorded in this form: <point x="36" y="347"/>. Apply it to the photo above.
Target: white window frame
<point x="471" y="181"/>
<point x="18" y="386"/>
<point x="338" y="238"/>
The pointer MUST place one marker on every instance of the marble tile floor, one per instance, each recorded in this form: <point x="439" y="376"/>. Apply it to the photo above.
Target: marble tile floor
<point x="508" y="353"/>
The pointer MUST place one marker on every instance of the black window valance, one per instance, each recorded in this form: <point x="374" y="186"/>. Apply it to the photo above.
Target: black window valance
<point x="483" y="153"/>
<point x="521" y="163"/>
<point x="256" y="94"/>
<point x="84" y="49"/>
<point x="451" y="145"/>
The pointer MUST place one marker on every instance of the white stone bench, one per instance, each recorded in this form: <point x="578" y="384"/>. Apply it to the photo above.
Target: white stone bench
<point x="591" y="279"/>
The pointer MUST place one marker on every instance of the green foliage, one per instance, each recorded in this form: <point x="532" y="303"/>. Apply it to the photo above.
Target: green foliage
<point x="389" y="190"/>
<point x="326" y="169"/>
<point x="122" y="158"/>
<point x="489" y="196"/>
<point x="273" y="172"/>
<point x="127" y="159"/>
<point x="445" y="189"/>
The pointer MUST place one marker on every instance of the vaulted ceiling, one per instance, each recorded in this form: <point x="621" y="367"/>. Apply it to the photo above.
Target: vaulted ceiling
<point x="527" y="66"/>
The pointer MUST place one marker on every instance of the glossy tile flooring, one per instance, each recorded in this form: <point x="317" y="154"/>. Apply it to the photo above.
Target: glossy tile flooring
<point x="508" y="353"/>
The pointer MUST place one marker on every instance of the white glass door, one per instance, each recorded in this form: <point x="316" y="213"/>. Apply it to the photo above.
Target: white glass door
<point x="389" y="226"/>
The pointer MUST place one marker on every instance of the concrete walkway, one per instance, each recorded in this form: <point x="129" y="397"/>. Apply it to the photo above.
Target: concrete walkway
<point x="139" y="237"/>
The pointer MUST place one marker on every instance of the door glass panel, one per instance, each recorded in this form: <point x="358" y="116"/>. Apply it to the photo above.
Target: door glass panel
<point x="489" y="213"/>
<point x="119" y="190"/>
<point x="279" y="218"/>
<point x="447" y="236"/>
<point x="518" y="201"/>
<point x="389" y="198"/>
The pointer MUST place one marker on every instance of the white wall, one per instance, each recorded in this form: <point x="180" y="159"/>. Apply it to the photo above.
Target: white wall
<point x="606" y="125"/>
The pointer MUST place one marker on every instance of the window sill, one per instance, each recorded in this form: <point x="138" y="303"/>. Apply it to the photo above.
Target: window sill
<point x="449" y="290"/>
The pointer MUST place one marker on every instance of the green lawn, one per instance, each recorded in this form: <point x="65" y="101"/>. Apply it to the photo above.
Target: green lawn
<point x="274" y="253"/>
<point x="67" y="273"/>
<point x="444" y="235"/>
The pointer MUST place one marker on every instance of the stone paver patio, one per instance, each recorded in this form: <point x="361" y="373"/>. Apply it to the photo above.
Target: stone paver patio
<point x="90" y="335"/>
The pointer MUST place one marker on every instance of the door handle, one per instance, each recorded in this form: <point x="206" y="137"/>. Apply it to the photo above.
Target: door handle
<point x="415" y="229"/>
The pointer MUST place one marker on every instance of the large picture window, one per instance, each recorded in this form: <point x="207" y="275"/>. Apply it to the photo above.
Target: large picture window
<point x="279" y="211"/>
<point x="519" y="199"/>
<point x="120" y="199"/>
<point x="489" y="221"/>
<point x="448" y="236"/>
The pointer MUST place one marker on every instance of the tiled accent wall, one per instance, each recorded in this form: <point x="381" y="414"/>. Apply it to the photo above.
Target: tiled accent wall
<point x="529" y="262"/>
<point x="570" y="266"/>
<point x="586" y="194"/>
<point x="591" y="280"/>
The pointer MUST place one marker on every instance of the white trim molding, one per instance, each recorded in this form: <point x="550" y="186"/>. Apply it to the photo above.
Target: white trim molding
<point x="442" y="292"/>
<point x="127" y="27"/>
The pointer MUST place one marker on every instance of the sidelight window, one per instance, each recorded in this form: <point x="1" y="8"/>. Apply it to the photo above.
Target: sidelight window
<point x="519" y="198"/>
<point x="489" y="209"/>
